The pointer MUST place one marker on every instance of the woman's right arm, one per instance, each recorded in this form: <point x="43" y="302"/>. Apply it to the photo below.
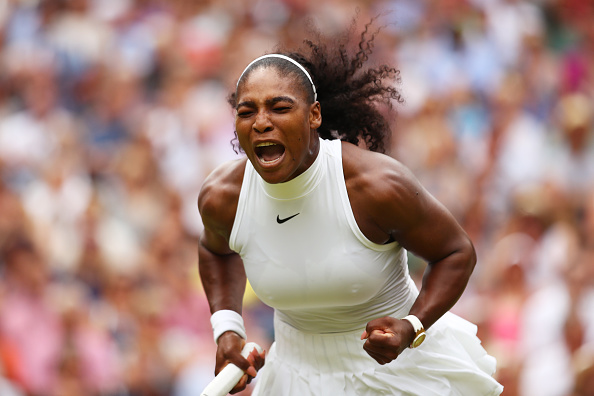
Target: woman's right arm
<point x="221" y="270"/>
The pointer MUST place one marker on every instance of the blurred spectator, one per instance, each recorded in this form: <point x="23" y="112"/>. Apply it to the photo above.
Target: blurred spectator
<point x="28" y="321"/>
<point x="31" y="138"/>
<point x="573" y="146"/>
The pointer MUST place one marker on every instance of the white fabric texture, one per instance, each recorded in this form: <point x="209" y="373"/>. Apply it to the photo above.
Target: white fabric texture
<point x="310" y="268"/>
<point x="305" y="256"/>
<point x="451" y="362"/>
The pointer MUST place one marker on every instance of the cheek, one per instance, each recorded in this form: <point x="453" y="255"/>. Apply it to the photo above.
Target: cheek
<point x="242" y="138"/>
<point x="242" y="129"/>
<point x="297" y="146"/>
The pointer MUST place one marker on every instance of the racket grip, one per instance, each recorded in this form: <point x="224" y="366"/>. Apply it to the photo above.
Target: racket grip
<point x="229" y="376"/>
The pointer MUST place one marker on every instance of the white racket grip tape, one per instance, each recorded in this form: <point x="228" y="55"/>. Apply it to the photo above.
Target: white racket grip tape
<point x="230" y="375"/>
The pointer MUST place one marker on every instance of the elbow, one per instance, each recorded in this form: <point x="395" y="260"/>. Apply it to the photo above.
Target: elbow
<point x="469" y="256"/>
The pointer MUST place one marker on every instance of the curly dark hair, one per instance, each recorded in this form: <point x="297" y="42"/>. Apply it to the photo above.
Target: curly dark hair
<point x="349" y="93"/>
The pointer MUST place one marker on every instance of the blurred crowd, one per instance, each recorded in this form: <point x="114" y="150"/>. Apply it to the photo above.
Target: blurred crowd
<point x="112" y="113"/>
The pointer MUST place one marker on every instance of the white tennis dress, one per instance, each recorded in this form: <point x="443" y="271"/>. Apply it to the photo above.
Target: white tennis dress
<point x="305" y="256"/>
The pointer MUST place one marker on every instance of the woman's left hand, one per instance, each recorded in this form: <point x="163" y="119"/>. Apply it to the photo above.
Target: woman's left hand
<point x="385" y="338"/>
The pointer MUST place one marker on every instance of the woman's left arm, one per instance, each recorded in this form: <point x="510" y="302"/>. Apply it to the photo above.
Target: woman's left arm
<point x="410" y="215"/>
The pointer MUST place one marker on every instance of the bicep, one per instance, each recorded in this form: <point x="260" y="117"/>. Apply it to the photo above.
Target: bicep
<point x="215" y="204"/>
<point x="418" y="221"/>
<point x="212" y="237"/>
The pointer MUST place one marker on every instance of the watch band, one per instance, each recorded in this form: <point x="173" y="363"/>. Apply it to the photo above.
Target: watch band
<point x="419" y="330"/>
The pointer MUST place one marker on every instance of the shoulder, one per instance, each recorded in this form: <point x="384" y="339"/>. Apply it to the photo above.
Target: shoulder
<point x="217" y="201"/>
<point x="386" y="198"/>
<point x="379" y="176"/>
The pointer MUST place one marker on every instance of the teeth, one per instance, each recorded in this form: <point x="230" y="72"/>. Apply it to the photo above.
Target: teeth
<point x="265" y="144"/>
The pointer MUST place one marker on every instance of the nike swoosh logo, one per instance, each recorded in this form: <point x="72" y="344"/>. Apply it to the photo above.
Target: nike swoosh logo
<point x="281" y="221"/>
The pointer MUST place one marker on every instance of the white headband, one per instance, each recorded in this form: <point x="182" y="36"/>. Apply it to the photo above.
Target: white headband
<point x="293" y="61"/>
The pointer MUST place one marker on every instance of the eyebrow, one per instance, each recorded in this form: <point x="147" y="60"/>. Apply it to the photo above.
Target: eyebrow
<point x="269" y="102"/>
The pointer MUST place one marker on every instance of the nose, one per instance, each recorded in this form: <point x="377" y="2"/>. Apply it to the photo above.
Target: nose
<point x="262" y="123"/>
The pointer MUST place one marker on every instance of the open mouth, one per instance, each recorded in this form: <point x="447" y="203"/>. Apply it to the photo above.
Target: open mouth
<point x="268" y="152"/>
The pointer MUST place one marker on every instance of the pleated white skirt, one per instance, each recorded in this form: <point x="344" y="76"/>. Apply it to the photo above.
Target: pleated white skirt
<point x="451" y="361"/>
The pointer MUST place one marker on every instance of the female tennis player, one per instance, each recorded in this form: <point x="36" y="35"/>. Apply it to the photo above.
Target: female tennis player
<point x="319" y="220"/>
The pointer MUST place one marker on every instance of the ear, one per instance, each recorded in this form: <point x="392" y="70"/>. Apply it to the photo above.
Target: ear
<point x="315" y="115"/>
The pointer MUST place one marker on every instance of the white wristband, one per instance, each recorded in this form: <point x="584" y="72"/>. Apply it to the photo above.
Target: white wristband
<point x="419" y="330"/>
<point x="227" y="320"/>
<point x="417" y="325"/>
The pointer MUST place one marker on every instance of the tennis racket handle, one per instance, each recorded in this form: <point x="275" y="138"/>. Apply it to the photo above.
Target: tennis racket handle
<point x="230" y="375"/>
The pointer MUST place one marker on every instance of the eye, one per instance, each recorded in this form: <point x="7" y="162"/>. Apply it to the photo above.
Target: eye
<point x="282" y="109"/>
<point x="244" y="113"/>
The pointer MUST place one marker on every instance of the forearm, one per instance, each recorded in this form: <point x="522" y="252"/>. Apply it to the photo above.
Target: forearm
<point x="223" y="279"/>
<point x="443" y="284"/>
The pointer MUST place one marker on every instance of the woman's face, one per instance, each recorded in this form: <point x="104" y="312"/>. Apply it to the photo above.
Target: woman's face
<point x="276" y="126"/>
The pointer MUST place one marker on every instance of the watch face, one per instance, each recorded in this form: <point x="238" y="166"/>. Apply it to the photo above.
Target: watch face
<point x="418" y="340"/>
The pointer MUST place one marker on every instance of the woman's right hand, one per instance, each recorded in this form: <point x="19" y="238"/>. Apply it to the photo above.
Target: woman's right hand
<point x="229" y="349"/>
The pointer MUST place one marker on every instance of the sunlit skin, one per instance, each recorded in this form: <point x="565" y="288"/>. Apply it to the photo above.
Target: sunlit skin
<point x="274" y="109"/>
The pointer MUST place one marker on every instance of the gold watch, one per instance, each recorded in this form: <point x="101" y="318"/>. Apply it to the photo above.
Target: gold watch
<point x="419" y="330"/>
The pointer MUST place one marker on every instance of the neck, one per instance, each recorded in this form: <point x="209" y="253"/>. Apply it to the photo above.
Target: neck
<point x="300" y="185"/>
